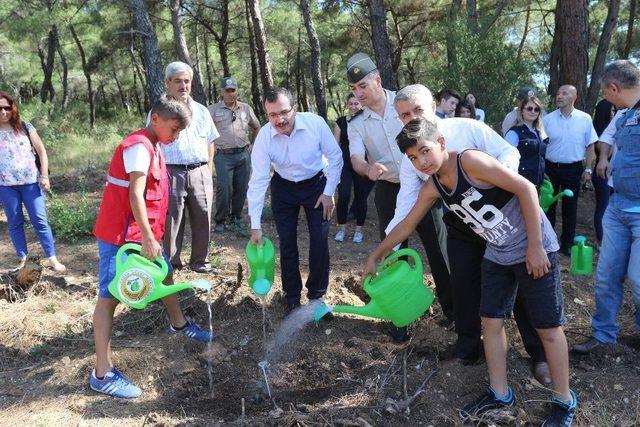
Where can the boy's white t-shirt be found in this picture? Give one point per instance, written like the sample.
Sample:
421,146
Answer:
136,158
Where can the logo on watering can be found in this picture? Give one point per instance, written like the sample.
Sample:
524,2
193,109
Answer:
135,285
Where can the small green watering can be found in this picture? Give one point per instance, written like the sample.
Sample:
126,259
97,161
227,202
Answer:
262,262
581,257
397,292
138,281
546,195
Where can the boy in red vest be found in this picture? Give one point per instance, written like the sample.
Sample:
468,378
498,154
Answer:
133,209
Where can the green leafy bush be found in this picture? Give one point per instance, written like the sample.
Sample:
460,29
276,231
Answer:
72,219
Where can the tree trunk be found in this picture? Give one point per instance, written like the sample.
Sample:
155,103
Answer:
632,16
46,90
123,97
180,43
382,44
261,45
207,68
571,39
316,72
472,16
196,64
601,55
452,60
525,32
65,73
255,88
87,75
299,68
138,72
151,55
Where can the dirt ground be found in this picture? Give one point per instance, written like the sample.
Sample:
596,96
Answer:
345,372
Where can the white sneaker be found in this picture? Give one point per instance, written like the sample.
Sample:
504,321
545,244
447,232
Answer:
339,236
53,262
21,263
357,237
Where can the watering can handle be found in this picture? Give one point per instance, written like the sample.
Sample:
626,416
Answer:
400,253
158,262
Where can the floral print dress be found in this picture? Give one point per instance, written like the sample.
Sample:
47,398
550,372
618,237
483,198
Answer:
17,162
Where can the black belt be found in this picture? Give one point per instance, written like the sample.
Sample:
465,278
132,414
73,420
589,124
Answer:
560,165
189,166
231,150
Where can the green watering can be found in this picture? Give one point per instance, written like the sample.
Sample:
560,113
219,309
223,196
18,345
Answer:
397,292
138,281
546,195
581,257
262,262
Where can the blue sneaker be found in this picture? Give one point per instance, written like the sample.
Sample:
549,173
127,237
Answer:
114,384
193,331
562,415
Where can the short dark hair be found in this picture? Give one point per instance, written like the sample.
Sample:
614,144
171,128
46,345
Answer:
170,109
447,93
623,73
417,129
274,93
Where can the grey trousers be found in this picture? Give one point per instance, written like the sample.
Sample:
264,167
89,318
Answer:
232,172
192,191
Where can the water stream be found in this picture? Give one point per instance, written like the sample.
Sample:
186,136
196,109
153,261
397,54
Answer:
209,345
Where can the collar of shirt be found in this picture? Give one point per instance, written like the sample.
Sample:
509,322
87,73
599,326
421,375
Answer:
388,108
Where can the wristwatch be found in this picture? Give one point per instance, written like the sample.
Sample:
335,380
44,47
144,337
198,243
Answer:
589,171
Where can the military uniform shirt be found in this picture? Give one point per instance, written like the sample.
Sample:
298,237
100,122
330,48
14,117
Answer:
233,133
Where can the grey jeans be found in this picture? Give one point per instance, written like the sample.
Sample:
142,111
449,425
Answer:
232,170
192,191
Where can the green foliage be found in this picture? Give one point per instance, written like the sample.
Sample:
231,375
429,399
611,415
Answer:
487,66
72,219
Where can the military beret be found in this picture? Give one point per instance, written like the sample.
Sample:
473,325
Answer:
358,66
524,93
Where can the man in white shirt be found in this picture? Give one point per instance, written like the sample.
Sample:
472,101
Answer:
190,163
570,132
375,154
465,249
296,144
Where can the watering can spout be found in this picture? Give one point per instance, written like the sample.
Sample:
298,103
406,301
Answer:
370,310
167,290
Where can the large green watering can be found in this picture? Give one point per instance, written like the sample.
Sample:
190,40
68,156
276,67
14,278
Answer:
138,281
262,262
397,292
581,257
546,195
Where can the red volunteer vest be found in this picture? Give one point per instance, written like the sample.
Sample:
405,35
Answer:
115,223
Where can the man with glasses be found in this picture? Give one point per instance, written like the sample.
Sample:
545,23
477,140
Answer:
233,120
298,146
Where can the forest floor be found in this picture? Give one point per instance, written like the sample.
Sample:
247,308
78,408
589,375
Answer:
345,372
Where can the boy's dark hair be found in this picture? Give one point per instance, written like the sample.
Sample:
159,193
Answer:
274,93
447,93
416,130
170,109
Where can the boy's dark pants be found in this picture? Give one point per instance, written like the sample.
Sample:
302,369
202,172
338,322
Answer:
466,251
287,197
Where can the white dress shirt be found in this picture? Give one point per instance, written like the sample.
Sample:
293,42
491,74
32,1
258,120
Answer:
296,158
375,136
192,144
569,136
608,137
459,134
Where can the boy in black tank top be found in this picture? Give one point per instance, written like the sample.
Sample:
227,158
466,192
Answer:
501,207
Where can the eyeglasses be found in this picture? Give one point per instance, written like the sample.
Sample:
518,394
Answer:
6,108
533,109
274,116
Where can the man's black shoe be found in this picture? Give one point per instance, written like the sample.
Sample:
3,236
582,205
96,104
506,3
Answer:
398,334
288,308
587,346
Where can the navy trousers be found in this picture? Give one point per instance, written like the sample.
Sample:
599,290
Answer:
287,197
